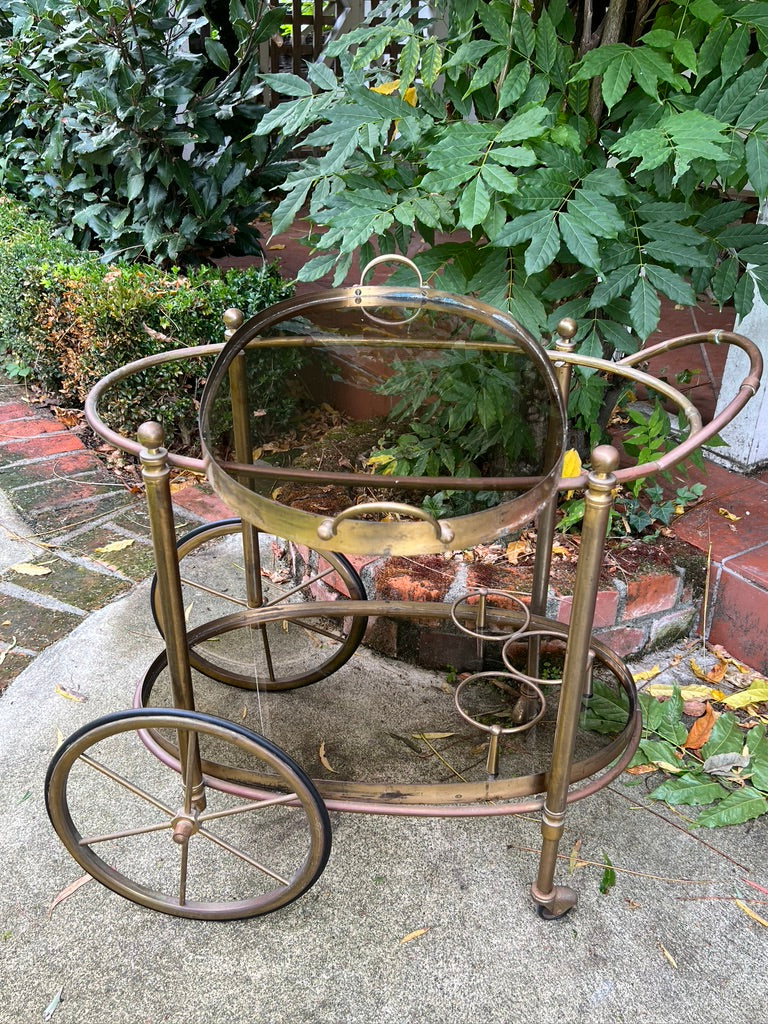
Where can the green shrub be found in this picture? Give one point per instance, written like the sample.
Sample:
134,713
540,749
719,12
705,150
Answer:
130,124
66,320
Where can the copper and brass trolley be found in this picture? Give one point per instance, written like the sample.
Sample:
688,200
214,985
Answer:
203,814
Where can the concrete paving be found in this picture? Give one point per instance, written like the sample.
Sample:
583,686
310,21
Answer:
665,944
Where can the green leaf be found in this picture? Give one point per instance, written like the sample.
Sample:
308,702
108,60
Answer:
616,78
618,282
581,245
530,124
757,164
734,52
671,284
740,806
317,267
431,62
689,789
523,227
725,738
513,86
523,31
661,753
744,294
322,76
644,308
608,879
217,53
474,204
288,85
546,41
499,179
596,214
408,62
544,246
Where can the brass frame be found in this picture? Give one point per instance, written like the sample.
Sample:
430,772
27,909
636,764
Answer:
234,482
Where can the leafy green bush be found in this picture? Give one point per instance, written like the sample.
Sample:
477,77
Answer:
130,124
67,320
577,167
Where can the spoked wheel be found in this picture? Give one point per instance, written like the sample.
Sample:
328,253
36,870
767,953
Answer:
226,567
170,840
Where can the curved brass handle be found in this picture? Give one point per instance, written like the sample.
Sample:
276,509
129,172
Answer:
327,529
391,258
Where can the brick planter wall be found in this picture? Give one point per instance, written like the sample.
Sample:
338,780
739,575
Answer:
651,610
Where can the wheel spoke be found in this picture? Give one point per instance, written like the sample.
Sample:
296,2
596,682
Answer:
224,845
91,840
213,593
183,874
255,805
284,594
126,784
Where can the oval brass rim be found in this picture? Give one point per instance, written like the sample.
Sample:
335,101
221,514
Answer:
351,795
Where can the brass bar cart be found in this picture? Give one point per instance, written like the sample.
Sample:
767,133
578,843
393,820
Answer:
202,817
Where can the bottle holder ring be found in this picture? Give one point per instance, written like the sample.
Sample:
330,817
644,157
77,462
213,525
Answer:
525,635
482,594
528,690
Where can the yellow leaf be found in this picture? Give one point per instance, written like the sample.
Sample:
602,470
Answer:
75,695
558,549
667,955
324,760
30,569
693,691
386,88
432,735
515,549
116,545
750,913
728,515
413,935
571,467
651,673
697,670
757,693
409,96
272,247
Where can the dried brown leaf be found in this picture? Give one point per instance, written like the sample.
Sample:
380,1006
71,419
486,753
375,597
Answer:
413,935
642,769
717,673
324,760
67,891
699,732
432,735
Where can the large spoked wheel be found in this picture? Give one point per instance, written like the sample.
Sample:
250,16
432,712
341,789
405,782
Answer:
170,840
226,567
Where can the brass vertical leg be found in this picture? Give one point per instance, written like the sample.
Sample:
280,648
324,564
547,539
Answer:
554,901
545,523
156,475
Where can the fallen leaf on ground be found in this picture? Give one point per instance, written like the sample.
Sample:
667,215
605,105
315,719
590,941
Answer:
691,692
116,545
608,880
728,515
67,891
51,1008
757,693
668,956
413,935
695,708
515,549
30,569
324,760
651,673
750,913
432,735
573,858
7,650
75,695
699,732
642,769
